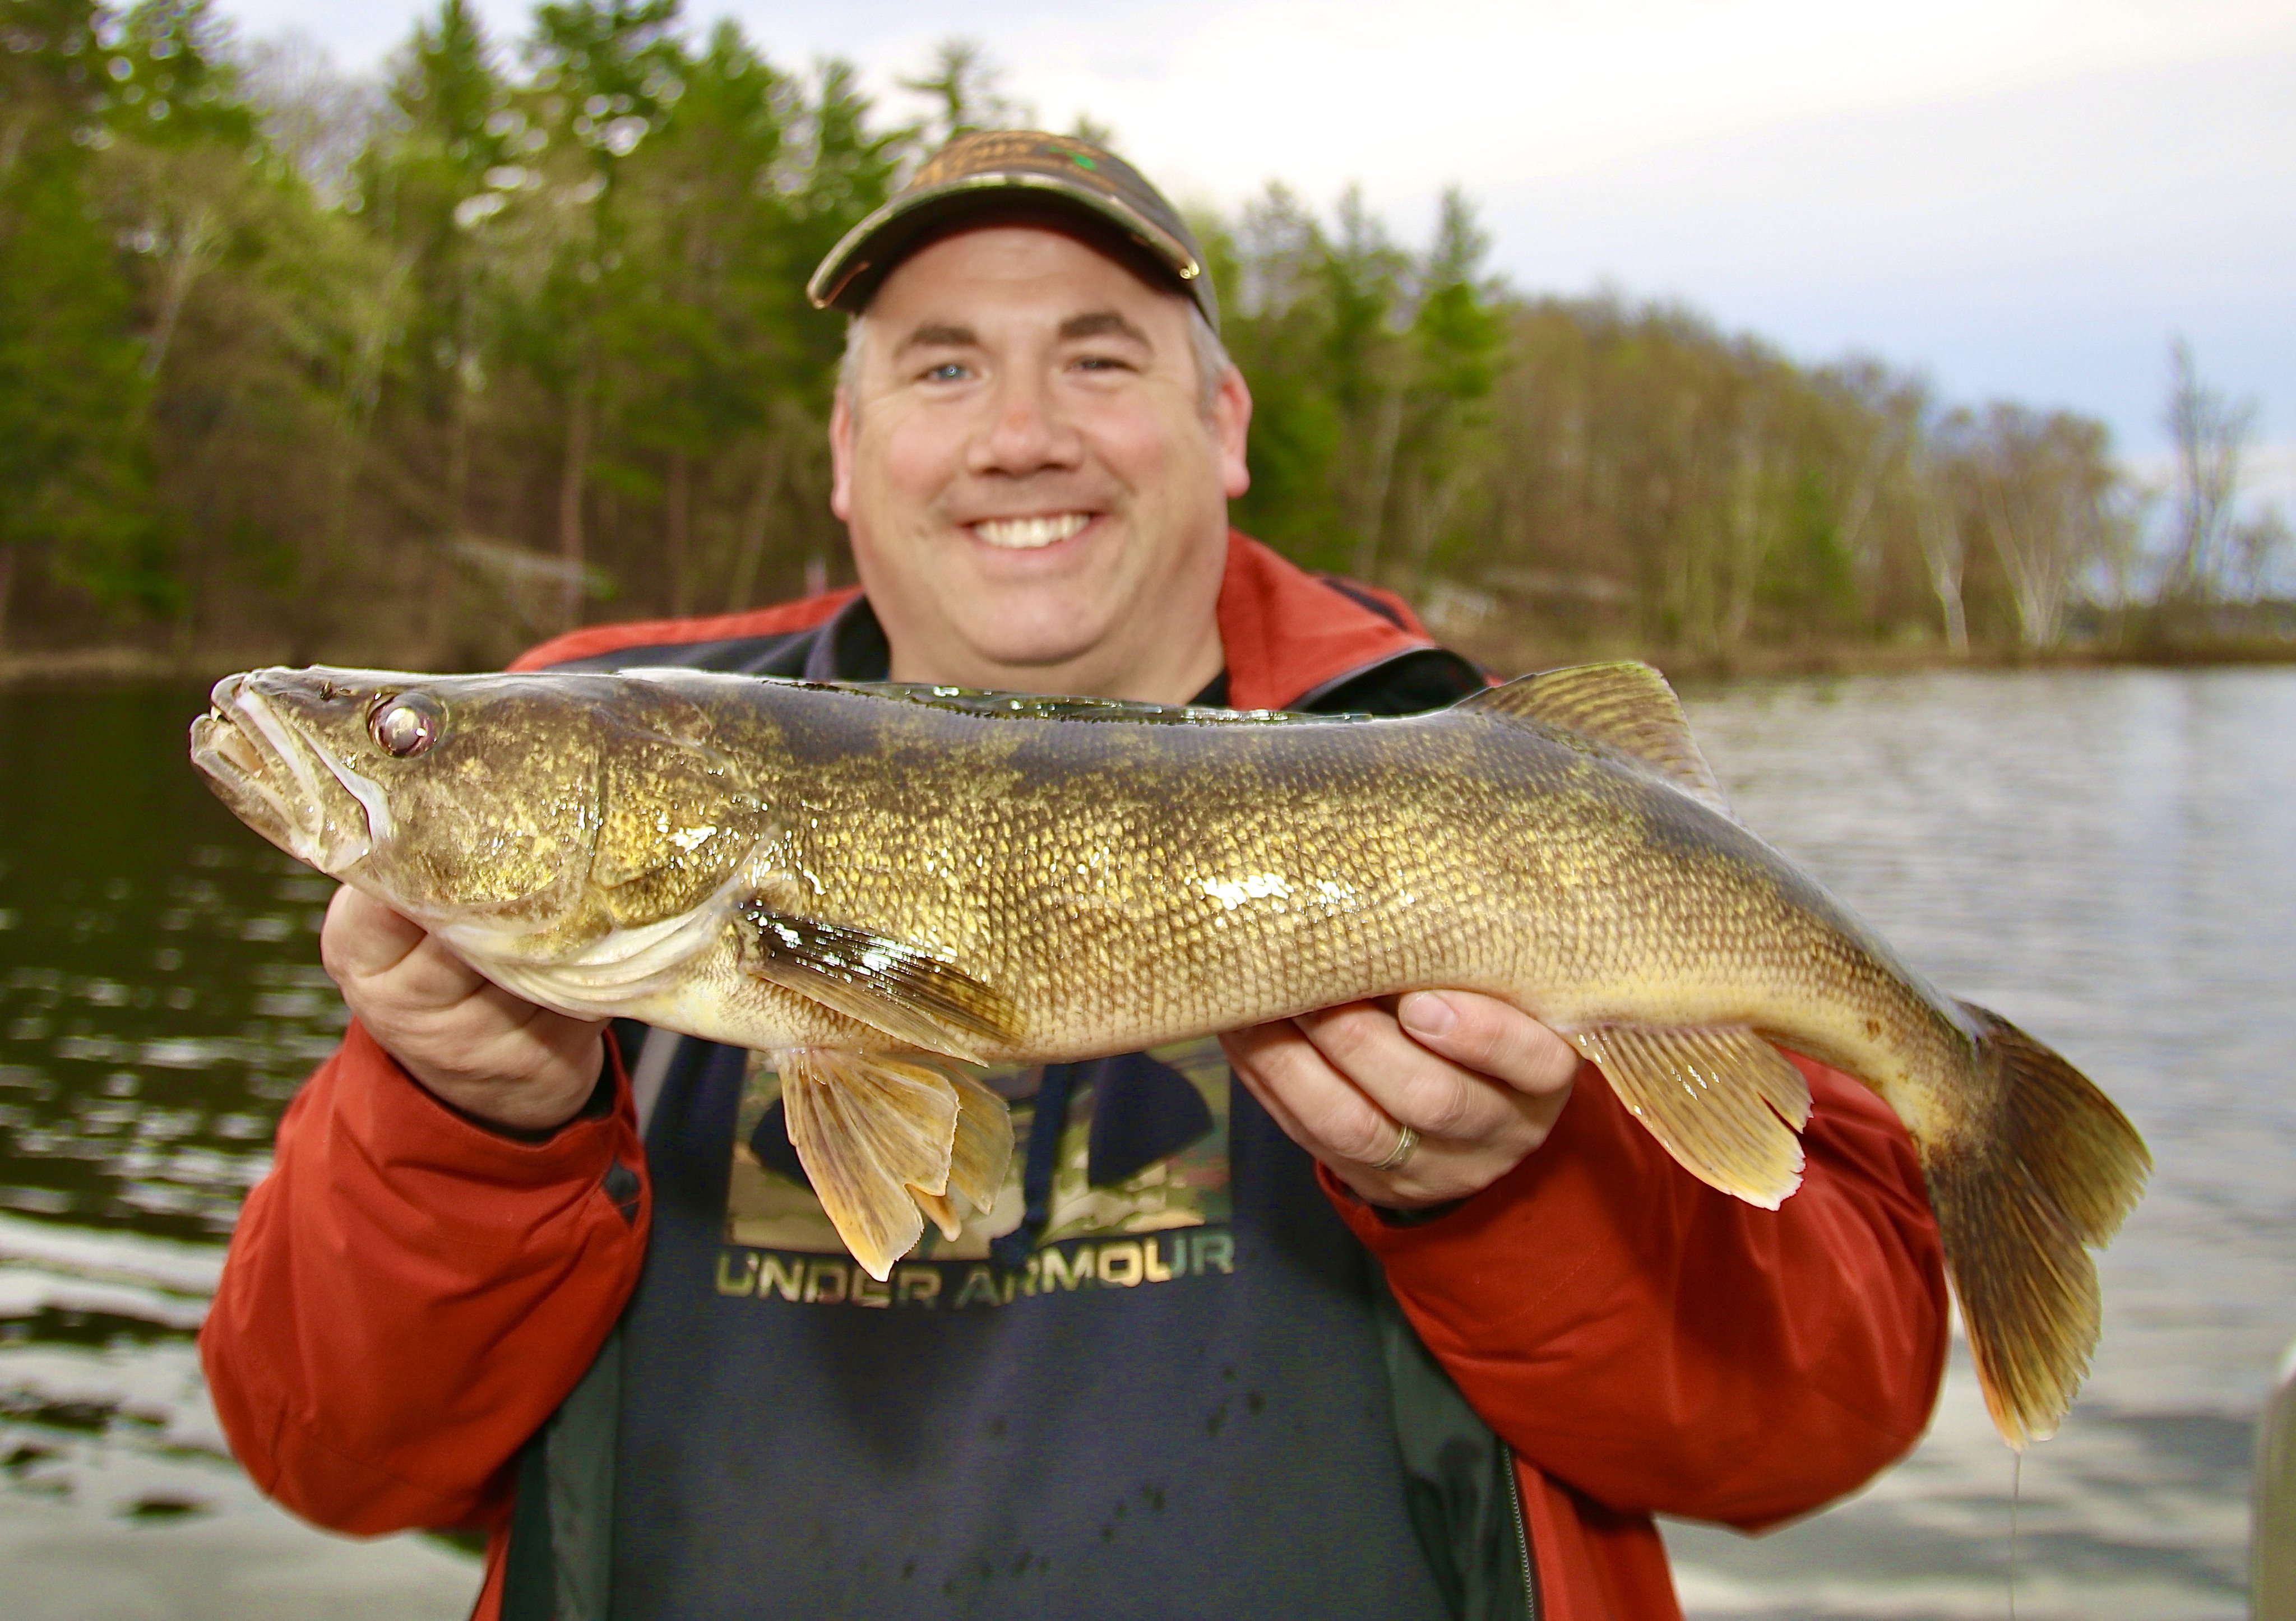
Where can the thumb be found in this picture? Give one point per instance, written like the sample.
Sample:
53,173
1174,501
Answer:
362,937
1491,1037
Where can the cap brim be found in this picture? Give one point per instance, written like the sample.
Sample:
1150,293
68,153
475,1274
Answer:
848,277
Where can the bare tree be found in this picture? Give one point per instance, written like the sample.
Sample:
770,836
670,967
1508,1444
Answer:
2042,484
2210,434
1945,549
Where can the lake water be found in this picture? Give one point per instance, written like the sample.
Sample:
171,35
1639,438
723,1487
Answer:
2109,859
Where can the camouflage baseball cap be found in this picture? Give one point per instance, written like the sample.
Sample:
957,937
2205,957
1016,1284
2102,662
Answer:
1002,169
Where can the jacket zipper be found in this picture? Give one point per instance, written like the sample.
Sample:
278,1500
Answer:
1522,1534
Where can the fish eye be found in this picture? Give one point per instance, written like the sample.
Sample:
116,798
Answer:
406,723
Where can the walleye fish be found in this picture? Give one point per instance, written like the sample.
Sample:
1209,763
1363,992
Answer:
866,882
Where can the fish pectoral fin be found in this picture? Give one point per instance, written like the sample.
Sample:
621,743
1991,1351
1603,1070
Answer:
875,1135
1725,1102
909,994
1625,704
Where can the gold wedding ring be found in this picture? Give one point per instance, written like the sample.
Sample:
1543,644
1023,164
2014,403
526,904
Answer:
1406,1141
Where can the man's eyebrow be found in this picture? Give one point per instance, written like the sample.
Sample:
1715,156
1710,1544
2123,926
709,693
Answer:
1099,324
936,335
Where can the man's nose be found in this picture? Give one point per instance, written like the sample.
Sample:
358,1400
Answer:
1027,431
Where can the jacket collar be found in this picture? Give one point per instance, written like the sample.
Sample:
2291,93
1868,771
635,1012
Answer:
1288,635
1285,635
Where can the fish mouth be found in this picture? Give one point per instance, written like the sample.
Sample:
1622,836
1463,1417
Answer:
293,793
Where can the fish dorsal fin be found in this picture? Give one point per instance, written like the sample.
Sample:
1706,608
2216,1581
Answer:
1725,1102
910,995
991,705
1624,704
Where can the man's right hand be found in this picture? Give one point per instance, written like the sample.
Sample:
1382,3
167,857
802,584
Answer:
467,1039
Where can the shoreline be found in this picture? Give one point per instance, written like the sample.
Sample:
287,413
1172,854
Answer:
1867,658
129,666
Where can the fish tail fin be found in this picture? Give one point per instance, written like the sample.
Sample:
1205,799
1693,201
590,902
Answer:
2018,1208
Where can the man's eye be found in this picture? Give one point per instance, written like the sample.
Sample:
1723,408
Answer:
1102,362
948,371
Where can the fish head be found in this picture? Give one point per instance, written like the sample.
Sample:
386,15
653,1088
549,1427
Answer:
450,798
526,816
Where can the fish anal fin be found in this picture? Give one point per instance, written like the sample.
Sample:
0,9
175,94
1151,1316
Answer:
1625,704
1725,1102
912,996
2018,1206
869,1128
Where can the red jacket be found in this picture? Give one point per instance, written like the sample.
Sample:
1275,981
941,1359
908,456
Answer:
409,1296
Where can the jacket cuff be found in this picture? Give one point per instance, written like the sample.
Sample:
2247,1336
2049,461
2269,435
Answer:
1562,1242
597,1106
400,1121
1398,1237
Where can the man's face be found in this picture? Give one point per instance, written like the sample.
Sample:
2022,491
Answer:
1037,495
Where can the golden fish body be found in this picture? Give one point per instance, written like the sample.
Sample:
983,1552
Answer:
852,880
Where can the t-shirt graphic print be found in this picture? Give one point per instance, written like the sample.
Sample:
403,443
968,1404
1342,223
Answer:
1138,1195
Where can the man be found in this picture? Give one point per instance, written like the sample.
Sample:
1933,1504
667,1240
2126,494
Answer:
1166,1374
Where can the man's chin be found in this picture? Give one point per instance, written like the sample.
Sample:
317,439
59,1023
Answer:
1032,657
1046,607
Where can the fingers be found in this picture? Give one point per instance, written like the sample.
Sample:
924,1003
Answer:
390,970
1315,1106
1490,1037
466,1039
1344,1082
1367,1052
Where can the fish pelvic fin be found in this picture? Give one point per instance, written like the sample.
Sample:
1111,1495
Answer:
1725,1102
876,1135
1624,704
916,997
983,1147
942,1211
2018,1207
978,1157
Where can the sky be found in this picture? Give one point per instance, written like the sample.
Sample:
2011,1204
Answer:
2023,199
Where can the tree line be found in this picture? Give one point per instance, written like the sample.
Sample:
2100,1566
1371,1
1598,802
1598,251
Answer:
415,371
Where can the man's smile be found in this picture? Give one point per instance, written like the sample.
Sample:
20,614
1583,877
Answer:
1030,534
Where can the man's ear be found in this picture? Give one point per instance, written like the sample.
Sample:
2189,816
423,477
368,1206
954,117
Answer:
1230,426
841,455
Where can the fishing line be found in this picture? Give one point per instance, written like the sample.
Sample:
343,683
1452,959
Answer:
2016,1489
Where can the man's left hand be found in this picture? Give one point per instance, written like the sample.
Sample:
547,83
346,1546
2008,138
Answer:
1479,1081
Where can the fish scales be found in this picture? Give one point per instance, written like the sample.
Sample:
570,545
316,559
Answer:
1270,871
863,883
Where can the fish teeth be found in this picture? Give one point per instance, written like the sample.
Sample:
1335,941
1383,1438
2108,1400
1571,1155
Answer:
1030,534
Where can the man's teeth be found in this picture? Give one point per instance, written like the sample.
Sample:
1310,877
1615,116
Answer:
1028,534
